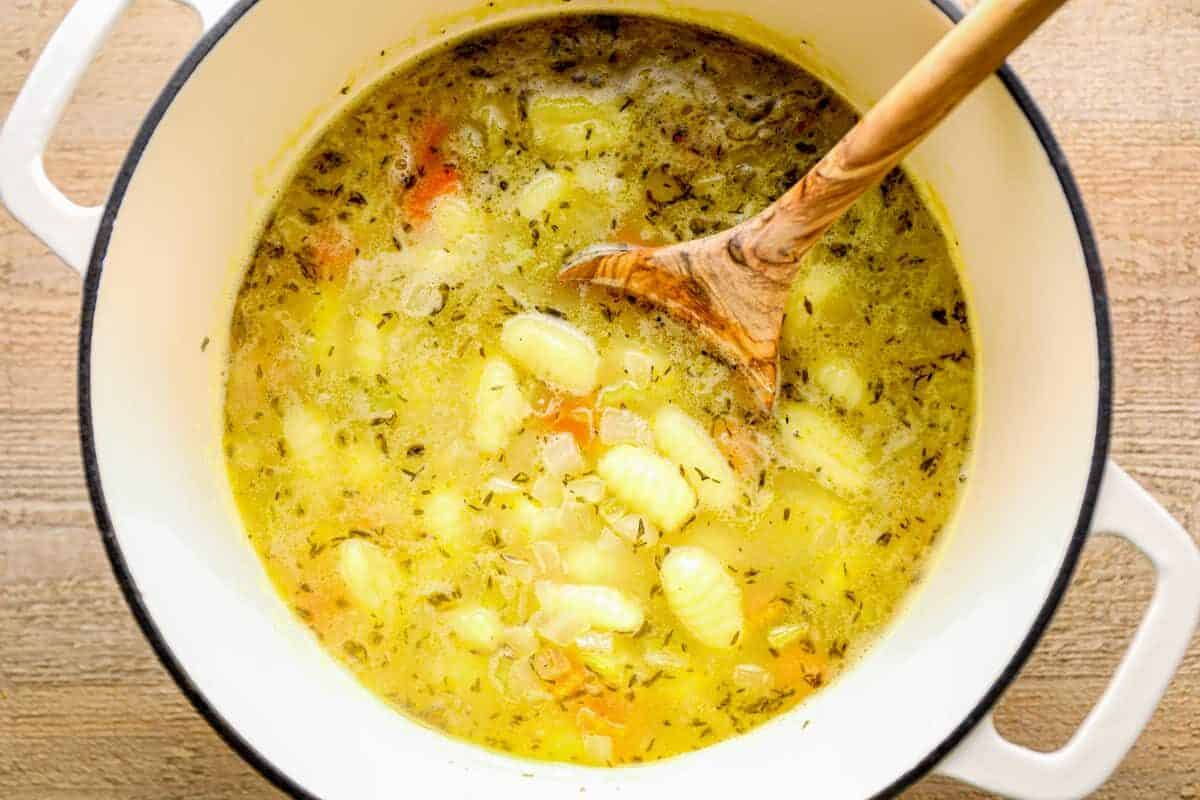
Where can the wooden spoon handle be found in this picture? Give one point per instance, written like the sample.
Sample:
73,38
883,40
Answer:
968,54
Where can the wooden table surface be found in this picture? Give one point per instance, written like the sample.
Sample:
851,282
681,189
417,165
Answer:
86,711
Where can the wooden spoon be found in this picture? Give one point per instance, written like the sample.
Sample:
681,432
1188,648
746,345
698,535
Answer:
732,285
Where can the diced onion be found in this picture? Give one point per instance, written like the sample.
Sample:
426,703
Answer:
589,489
547,490
547,558
751,676
633,528
595,642
522,640
435,588
781,636
560,626
560,454
507,585
665,659
519,568
621,426
496,485
598,748
638,366
524,684
423,295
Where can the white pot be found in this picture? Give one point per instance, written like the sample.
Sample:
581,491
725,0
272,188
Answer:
169,248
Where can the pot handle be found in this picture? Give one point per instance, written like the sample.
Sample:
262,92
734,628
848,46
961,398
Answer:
66,227
988,760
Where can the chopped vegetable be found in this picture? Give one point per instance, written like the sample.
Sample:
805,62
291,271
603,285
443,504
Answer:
544,517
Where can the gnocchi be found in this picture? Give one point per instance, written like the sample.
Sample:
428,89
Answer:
537,516
683,440
370,576
543,192
500,406
819,445
841,380
552,350
648,484
445,518
307,435
477,627
571,125
703,595
600,607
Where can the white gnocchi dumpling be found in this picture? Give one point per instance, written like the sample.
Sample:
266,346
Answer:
500,406
684,440
544,191
600,176
703,596
820,283
445,518
572,126
819,295
819,445
455,219
599,607
361,463
553,350
495,122
622,426
307,435
368,347
605,560
531,520
842,380
371,577
477,627
648,484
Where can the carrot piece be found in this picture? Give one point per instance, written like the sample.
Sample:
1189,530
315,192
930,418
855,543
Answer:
763,606
563,674
610,706
430,136
800,667
327,253
438,180
434,177
573,415
610,713
589,720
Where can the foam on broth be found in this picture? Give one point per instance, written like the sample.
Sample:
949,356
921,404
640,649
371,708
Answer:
540,517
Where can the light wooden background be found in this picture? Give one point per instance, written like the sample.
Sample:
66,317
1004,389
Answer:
87,712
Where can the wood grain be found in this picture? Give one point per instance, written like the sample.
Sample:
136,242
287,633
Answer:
87,712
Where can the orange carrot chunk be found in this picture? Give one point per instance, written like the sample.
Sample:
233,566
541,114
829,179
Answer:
327,253
573,415
433,176
800,667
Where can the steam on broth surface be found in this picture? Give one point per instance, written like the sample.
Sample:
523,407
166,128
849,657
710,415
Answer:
540,517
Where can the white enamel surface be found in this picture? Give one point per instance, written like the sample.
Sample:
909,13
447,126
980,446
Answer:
173,264
66,227
1105,736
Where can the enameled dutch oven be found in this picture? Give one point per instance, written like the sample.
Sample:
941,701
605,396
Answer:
162,261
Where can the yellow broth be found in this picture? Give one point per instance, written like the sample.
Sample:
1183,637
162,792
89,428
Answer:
540,517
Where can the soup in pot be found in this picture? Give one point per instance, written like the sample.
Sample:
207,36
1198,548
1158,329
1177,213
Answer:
542,517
